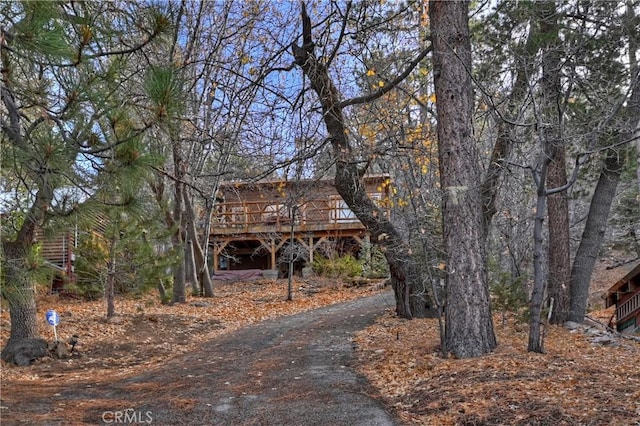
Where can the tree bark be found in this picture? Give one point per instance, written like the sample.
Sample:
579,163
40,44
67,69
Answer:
593,234
469,326
19,289
199,260
559,239
179,278
111,277
349,184
594,230
19,292
190,268
559,254
536,343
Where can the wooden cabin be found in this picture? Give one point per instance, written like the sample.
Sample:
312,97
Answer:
625,295
254,221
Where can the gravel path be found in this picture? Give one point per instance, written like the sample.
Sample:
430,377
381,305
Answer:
296,370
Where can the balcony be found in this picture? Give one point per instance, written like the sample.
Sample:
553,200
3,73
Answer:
258,217
628,308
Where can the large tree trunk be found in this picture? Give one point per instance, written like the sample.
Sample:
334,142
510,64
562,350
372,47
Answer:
348,181
594,230
559,239
469,326
593,234
24,343
19,292
559,254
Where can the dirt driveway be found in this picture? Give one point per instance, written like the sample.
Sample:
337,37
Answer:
294,370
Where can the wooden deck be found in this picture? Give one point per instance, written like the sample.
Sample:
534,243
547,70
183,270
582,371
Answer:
265,215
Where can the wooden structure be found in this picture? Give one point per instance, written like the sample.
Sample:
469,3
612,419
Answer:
58,252
254,221
59,249
625,295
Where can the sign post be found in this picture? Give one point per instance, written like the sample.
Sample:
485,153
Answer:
53,319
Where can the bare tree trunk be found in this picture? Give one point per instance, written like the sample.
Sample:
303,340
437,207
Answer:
469,326
190,269
200,262
19,288
111,277
550,173
179,294
292,241
536,343
349,184
594,230
178,237
593,234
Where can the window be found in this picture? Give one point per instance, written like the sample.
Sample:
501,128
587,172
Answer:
341,213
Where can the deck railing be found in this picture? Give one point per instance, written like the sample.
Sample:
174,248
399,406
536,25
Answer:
251,214
628,307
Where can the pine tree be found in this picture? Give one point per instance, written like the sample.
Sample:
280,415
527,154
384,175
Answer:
65,67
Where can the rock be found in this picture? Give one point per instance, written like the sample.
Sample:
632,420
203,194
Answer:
309,290
358,282
571,325
604,339
307,272
62,350
201,304
270,274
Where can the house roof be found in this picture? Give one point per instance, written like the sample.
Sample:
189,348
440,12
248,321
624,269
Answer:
622,281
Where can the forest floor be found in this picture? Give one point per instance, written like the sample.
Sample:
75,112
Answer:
576,382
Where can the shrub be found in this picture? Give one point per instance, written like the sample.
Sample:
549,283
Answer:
508,293
342,267
376,266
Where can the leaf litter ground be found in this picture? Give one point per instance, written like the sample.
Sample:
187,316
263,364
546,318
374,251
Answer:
576,382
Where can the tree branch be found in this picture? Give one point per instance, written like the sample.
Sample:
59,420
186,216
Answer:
391,85
341,36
